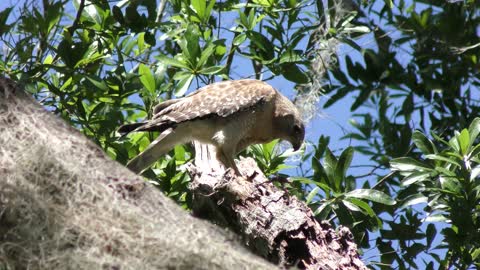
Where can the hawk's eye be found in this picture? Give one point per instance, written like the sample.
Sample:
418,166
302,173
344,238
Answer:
297,129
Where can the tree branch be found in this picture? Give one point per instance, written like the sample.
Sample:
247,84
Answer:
274,225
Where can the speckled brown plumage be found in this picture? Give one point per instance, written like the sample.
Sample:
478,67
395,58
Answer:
230,115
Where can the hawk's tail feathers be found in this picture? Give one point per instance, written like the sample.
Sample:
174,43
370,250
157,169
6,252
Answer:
161,145
127,128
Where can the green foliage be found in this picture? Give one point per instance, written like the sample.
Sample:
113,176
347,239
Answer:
447,180
268,157
416,71
333,193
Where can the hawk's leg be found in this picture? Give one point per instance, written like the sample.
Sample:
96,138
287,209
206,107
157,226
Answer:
228,161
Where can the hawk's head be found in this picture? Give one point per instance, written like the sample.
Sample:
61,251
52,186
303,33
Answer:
288,123
296,133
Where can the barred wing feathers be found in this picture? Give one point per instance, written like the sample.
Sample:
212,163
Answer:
219,99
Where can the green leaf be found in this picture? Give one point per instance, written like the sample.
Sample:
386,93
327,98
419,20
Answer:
388,3
290,57
344,161
243,19
150,39
251,19
362,97
238,40
48,60
206,53
474,129
407,164
346,20
475,172
352,206
451,185
172,62
415,177
192,49
454,143
475,151
4,14
323,211
179,153
92,11
312,195
330,165
208,10
413,200
211,70
263,47
307,181
342,166
464,141
445,172
200,7
442,158
430,233
97,82
118,15
475,254
365,208
423,143
357,29
183,84
436,218
146,77
372,195
438,138
293,73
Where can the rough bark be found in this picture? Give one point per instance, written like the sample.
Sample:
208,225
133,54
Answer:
65,205
274,224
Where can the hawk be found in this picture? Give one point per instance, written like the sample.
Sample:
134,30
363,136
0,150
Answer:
229,115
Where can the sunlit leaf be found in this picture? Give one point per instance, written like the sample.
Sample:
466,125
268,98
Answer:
363,206
464,141
423,143
172,62
311,195
408,164
415,177
371,195
211,70
183,85
344,162
146,77
443,158
413,200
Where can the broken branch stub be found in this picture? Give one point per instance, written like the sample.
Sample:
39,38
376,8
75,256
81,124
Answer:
274,225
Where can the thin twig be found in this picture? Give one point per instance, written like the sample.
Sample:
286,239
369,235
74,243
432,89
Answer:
74,26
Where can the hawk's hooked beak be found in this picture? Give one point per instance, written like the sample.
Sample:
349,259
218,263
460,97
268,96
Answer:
297,145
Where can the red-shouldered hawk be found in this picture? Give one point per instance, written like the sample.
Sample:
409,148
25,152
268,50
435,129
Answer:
230,115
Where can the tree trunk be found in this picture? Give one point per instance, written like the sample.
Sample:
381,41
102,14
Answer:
274,225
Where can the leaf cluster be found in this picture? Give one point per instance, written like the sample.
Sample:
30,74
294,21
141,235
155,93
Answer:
417,70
